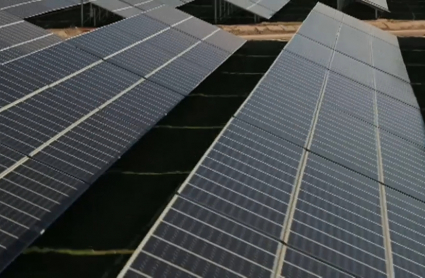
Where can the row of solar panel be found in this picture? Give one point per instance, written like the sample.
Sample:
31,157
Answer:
67,114
19,38
267,8
125,8
263,8
238,205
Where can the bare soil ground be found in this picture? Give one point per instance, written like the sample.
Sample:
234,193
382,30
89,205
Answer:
283,31
70,32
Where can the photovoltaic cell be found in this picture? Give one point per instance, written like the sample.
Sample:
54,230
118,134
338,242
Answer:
142,59
395,88
180,76
320,28
6,18
225,41
33,195
260,10
263,8
407,234
337,219
172,41
207,56
167,15
248,176
349,97
131,27
173,3
30,9
103,42
28,47
196,28
403,165
19,33
109,132
111,5
355,44
346,140
310,50
53,63
394,66
297,264
128,12
285,100
401,119
8,3
206,243
353,69
149,5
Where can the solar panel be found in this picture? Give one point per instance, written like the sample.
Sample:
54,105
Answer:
297,264
284,102
32,195
28,9
228,249
407,234
346,140
111,5
337,219
74,108
19,38
263,8
320,158
377,4
6,19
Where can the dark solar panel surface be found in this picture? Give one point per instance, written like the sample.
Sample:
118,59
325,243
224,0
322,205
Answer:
26,9
70,110
263,8
248,176
323,156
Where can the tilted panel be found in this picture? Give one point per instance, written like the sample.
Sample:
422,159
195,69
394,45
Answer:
349,97
103,42
297,264
338,220
346,140
248,175
310,50
401,119
193,241
285,100
53,63
406,222
403,165
32,196
89,148
28,47
320,28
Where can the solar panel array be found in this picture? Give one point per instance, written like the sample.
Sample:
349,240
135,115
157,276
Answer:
263,8
381,5
70,110
125,8
319,174
148,4
25,8
19,38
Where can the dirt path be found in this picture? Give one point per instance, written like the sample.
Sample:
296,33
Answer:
284,30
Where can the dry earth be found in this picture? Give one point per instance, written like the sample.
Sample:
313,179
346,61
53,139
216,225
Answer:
283,31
